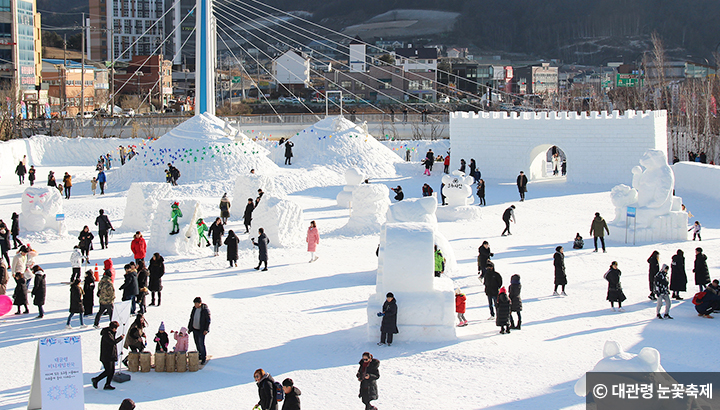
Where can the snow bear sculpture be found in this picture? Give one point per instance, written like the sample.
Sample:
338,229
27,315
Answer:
457,189
353,177
370,204
414,210
658,213
39,207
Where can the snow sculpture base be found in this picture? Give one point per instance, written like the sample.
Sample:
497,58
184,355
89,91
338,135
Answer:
370,204
353,178
658,213
458,213
38,209
281,219
183,243
142,201
426,304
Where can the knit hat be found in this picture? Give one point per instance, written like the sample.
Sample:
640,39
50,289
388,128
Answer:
502,290
162,327
664,268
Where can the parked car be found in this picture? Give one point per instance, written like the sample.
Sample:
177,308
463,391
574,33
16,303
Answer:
86,114
318,100
348,100
128,112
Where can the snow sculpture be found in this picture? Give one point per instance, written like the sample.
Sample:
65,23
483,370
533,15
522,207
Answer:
39,207
406,266
281,219
353,178
185,242
142,200
658,213
458,196
247,185
370,203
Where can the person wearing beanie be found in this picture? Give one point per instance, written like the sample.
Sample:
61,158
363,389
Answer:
292,395
161,339
503,311
127,404
38,291
106,294
662,291
389,320
367,375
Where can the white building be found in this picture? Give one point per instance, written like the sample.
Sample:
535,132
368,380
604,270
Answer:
357,56
126,28
292,68
416,59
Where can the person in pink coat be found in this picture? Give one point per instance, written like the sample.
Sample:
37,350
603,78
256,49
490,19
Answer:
181,340
138,247
313,239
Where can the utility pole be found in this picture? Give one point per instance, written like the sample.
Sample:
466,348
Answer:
82,78
64,78
112,72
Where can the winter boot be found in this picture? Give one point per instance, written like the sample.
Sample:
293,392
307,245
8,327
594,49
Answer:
507,331
659,316
159,298
666,316
518,326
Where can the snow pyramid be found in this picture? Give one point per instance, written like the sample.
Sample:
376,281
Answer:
339,144
39,207
183,243
142,201
203,148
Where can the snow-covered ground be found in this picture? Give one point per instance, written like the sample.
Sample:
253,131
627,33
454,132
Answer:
307,321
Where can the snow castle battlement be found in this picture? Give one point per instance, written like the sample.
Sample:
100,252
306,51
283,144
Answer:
601,147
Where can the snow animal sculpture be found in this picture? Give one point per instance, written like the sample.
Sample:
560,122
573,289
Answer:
643,368
414,210
353,177
658,212
39,207
457,189
370,204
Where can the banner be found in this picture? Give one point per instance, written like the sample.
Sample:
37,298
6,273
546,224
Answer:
58,377
121,314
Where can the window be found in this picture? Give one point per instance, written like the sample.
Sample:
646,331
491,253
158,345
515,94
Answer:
427,85
413,85
346,84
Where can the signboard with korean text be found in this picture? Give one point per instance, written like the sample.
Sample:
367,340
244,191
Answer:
58,376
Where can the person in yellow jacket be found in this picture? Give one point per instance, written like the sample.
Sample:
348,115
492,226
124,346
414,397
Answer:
67,184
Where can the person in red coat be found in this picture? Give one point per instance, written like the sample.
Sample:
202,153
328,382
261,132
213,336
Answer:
446,163
460,299
138,247
313,239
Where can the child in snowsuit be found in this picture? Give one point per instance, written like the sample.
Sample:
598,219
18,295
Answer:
161,339
141,299
460,299
181,340
503,312
696,230
515,300
93,185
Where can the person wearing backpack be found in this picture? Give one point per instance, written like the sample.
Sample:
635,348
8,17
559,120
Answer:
704,302
292,393
266,390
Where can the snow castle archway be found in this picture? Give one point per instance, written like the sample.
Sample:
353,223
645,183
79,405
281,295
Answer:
601,147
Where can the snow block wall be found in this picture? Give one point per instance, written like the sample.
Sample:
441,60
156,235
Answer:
183,243
600,147
426,304
141,202
281,219
697,178
370,203
38,209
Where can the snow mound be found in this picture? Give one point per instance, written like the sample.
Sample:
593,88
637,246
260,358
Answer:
338,144
370,204
281,219
142,201
39,207
203,148
183,243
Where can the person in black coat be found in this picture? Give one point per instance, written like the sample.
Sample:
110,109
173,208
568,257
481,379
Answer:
702,275
389,320
292,395
654,267
20,294
399,195
678,277
104,225
108,354
266,390
262,243
76,304
20,170
199,326
216,233
507,217
615,292
232,247
130,286
5,243
522,185
157,270
288,152
86,238
493,282
560,277
484,255
247,215
39,290
481,191
367,375
502,319
89,293
515,300
15,230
